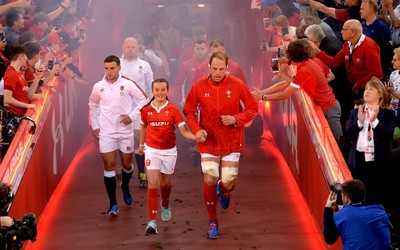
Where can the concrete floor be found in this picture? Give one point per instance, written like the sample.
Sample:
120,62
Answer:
266,212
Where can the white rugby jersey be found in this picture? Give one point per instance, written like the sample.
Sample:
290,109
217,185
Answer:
108,101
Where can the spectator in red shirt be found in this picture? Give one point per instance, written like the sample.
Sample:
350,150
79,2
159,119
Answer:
40,25
311,79
32,50
17,94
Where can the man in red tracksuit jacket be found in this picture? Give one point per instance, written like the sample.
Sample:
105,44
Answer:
213,109
360,56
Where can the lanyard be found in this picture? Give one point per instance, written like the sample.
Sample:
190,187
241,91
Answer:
369,123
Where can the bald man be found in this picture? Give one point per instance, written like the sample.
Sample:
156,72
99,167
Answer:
140,72
359,54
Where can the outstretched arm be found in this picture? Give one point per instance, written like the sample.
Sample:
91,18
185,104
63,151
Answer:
322,8
283,94
257,93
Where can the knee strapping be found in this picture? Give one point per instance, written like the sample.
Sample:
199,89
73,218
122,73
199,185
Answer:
229,174
210,167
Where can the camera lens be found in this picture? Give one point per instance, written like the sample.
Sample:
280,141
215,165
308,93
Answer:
336,187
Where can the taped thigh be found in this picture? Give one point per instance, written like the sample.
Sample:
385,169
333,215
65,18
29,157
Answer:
210,167
228,174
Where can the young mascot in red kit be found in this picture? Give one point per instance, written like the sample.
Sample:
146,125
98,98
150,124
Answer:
158,121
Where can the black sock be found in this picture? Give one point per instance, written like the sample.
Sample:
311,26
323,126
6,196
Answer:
126,177
140,163
111,185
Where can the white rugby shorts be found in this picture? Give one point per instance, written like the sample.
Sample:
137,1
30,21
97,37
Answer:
163,160
109,143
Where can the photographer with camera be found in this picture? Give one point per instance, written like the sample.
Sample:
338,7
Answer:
361,225
14,232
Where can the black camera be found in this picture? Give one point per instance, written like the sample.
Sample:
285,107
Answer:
2,36
13,237
10,124
336,187
50,66
12,127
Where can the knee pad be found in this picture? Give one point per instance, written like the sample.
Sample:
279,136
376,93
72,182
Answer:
211,168
229,174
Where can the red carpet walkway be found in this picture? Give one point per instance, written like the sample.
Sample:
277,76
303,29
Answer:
266,212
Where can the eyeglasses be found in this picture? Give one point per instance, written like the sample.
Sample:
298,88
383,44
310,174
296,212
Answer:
346,29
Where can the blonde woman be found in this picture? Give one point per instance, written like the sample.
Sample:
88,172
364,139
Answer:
370,130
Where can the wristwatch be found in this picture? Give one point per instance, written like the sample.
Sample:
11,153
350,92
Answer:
264,97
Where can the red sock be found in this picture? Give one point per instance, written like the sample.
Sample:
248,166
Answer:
210,199
165,193
152,203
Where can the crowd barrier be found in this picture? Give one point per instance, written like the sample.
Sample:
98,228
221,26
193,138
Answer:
37,158
309,148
